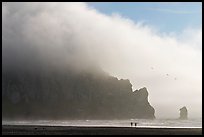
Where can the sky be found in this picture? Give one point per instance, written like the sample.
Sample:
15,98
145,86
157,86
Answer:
154,45
168,17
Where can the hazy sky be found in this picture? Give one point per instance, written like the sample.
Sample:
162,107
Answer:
156,45
170,17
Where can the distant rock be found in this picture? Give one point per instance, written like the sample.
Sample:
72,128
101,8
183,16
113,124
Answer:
183,113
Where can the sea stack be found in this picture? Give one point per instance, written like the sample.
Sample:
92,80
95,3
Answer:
183,113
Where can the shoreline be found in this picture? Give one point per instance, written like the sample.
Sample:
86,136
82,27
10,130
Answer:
94,130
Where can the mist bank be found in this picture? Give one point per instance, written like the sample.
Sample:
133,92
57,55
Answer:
57,39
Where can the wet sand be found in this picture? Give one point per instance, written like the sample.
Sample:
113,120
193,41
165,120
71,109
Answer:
77,130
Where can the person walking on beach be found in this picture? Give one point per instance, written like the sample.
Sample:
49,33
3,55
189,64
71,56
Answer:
135,124
131,124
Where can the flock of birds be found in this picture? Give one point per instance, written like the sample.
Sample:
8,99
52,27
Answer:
175,78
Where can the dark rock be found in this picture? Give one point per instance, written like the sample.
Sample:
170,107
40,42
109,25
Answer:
68,95
183,113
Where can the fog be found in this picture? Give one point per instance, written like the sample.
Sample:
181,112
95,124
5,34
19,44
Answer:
64,34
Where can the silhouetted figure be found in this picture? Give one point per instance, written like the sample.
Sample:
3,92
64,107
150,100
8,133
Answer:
131,124
135,124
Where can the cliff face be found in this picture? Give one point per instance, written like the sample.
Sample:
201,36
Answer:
69,95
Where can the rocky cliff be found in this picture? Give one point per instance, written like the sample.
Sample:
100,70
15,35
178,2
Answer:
69,95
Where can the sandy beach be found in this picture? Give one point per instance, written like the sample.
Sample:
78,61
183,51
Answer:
77,130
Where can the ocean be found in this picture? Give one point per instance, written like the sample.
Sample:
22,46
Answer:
156,123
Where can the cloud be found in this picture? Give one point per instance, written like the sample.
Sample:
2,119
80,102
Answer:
175,11
63,33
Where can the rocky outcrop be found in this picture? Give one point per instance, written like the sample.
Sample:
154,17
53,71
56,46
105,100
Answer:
70,95
183,113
